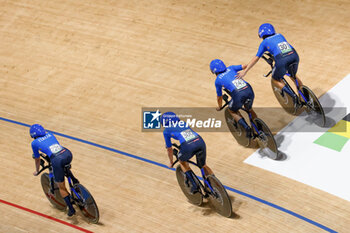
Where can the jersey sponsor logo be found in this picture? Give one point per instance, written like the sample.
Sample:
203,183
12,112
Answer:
151,119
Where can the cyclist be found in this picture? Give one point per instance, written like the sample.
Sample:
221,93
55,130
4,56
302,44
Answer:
59,156
239,89
190,144
284,55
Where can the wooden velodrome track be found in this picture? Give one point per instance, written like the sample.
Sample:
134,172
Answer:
85,69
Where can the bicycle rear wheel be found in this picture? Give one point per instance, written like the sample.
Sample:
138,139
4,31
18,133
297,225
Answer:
313,105
219,199
266,140
286,101
86,203
55,199
197,198
237,130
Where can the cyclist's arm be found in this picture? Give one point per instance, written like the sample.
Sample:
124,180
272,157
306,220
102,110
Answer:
242,73
218,87
37,166
168,146
170,155
219,99
252,63
36,157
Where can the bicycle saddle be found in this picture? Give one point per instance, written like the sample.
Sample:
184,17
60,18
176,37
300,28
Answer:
67,167
247,104
291,68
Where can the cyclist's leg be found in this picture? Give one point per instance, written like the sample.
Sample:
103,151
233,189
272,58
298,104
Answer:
277,81
186,153
280,69
58,163
251,96
235,114
234,105
254,115
185,167
295,59
202,156
189,178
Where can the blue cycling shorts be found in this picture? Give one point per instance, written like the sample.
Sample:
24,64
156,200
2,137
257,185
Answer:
238,98
190,148
282,63
58,161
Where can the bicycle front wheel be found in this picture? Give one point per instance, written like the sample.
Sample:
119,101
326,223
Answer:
86,203
266,140
313,105
55,198
197,198
219,198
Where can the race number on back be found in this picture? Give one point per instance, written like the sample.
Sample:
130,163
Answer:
239,83
55,148
284,47
188,135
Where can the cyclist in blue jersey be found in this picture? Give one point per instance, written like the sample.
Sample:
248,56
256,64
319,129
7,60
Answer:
190,144
239,89
284,55
59,156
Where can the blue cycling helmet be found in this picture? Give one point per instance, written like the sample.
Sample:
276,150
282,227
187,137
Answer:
168,117
37,130
266,29
217,66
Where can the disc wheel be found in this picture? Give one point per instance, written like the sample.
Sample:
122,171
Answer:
55,198
313,106
237,130
197,198
266,140
86,203
219,198
286,101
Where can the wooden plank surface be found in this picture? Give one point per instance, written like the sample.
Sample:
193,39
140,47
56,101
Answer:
86,68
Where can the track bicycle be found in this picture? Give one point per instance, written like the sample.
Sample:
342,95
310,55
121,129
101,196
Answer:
306,98
210,188
80,196
260,131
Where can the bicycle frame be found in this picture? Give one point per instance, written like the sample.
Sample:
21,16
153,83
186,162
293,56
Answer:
270,61
244,109
42,163
195,164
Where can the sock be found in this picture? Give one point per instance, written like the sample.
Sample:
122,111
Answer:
245,126
67,201
287,90
189,176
